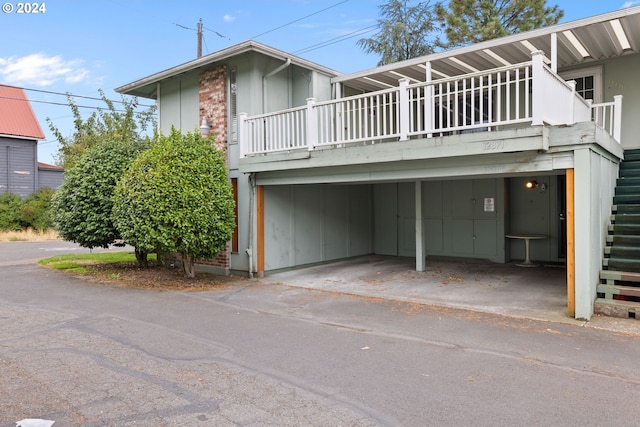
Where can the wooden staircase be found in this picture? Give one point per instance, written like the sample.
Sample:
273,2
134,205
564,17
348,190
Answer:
619,289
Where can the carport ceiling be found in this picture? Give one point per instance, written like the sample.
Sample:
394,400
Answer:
600,37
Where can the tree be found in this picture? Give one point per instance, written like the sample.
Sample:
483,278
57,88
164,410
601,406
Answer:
466,22
83,203
405,32
176,197
124,123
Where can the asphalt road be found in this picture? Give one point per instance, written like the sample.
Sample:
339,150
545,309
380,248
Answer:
252,354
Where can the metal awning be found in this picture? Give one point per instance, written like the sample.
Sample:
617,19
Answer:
582,41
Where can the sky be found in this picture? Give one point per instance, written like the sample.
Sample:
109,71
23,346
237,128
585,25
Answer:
82,46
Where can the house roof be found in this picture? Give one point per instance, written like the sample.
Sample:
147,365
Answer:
16,116
46,166
596,34
146,87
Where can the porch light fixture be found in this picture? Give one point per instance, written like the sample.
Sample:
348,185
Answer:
620,35
576,43
204,127
531,184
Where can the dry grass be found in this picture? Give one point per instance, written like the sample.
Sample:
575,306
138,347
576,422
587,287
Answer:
28,235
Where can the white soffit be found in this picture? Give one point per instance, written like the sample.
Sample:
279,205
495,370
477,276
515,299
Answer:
598,37
576,43
620,34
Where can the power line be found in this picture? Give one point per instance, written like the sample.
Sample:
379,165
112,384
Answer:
67,94
58,103
299,19
337,39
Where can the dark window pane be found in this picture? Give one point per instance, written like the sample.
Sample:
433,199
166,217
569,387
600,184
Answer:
588,94
588,82
579,84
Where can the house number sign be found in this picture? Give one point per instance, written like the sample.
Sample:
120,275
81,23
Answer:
489,204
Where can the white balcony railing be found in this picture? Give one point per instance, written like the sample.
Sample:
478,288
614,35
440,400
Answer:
529,92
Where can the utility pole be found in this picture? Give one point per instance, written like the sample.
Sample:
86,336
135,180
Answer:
200,38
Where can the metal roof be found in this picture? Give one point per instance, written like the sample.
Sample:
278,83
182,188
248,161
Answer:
16,115
146,87
597,35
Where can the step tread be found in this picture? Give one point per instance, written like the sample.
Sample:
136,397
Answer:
631,291
621,303
623,276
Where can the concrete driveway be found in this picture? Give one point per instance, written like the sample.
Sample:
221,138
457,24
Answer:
538,293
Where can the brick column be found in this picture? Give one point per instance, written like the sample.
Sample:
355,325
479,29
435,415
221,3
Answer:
213,107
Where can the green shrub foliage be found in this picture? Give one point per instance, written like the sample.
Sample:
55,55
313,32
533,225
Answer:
176,197
36,210
83,203
10,212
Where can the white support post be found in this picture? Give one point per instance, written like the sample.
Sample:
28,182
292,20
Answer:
554,52
617,118
538,91
312,124
338,121
572,110
243,135
403,109
429,101
420,244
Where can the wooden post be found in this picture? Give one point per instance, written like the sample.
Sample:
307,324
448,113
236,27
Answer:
260,230
571,250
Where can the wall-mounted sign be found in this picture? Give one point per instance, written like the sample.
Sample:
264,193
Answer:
489,204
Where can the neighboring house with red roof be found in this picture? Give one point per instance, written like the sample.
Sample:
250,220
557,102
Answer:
20,171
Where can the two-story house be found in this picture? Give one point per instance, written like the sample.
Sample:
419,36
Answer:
20,171
454,154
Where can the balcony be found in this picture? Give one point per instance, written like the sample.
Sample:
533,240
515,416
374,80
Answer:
522,95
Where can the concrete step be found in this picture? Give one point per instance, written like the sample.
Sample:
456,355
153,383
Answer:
617,308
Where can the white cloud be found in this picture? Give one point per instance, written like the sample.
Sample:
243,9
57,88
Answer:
630,3
38,69
228,18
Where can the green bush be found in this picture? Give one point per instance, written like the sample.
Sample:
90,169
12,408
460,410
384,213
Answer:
176,197
83,203
10,205
36,210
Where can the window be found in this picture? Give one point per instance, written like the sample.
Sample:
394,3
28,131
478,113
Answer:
588,82
233,104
